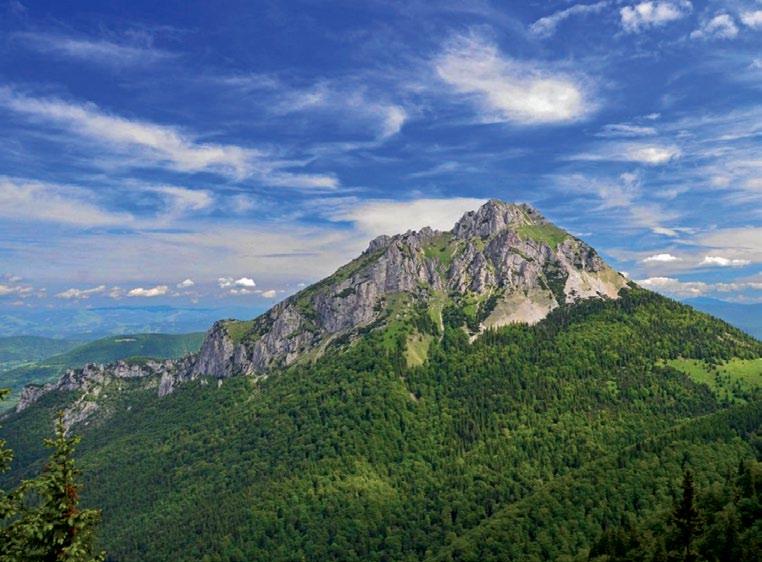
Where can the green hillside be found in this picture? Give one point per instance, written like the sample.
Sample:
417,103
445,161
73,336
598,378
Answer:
526,444
18,350
106,350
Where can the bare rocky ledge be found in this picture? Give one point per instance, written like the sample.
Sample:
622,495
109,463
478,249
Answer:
505,251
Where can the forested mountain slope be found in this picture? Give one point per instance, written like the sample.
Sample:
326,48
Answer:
46,366
23,349
524,444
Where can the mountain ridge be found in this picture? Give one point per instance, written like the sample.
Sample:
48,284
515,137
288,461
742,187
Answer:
500,264
358,456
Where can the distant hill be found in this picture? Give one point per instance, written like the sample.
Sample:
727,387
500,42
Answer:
491,393
748,317
31,348
84,323
106,350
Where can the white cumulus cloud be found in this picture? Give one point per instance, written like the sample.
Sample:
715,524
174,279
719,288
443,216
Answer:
661,258
673,286
242,285
269,294
721,26
643,15
157,291
653,155
81,294
16,290
185,284
510,90
724,262
752,19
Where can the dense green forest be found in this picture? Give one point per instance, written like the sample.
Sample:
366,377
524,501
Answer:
23,349
531,443
721,521
41,367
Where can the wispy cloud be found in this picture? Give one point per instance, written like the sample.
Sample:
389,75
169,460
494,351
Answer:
724,262
675,287
545,27
181,200
161,144
738,245
81,294
644,15
25,200
98,51
391,217
649,154
510,90
621,199
626,130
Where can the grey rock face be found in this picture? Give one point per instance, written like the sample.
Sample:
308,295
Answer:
492,217
508,253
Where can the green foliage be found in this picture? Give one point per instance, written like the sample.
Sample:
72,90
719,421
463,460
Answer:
524,445
113,348
40,521
442,248
6,456
25,349
105,350
722,521
546,233
733,381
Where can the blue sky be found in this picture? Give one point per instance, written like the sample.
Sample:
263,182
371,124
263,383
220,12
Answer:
230,152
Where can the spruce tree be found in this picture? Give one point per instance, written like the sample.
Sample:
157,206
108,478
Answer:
686,519
7,501
47,524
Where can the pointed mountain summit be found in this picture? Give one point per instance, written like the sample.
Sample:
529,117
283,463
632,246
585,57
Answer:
369,428
501,264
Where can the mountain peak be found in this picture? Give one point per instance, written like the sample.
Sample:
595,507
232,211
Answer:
500,264
494,216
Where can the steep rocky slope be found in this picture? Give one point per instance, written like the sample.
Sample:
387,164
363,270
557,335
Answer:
501,264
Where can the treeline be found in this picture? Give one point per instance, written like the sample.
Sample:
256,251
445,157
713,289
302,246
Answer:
523,445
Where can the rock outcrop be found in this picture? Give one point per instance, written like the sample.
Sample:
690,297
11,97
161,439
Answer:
507,261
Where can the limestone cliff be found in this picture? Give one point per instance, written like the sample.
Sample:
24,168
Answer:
500,264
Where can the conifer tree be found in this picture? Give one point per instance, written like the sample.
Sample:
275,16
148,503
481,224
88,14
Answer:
7,504
43,521
686,519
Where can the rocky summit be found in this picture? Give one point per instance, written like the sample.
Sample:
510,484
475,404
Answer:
503,263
